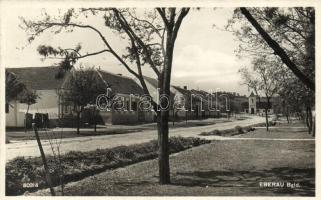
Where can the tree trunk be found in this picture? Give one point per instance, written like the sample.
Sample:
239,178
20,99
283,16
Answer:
266,113
186,117
95,120
287,114
309,119
313,127
26,118
163,155
173,117
164,84
78,122
266,120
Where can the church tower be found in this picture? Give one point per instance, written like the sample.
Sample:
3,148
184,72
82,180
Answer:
252,103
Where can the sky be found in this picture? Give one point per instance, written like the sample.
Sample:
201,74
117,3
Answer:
204,56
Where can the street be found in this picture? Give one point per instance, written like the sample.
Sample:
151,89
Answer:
29,147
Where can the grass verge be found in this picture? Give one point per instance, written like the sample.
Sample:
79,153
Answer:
78,165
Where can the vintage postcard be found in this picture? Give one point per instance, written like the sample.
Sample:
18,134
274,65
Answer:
160,99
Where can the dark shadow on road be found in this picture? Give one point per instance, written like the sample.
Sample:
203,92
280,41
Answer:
252,179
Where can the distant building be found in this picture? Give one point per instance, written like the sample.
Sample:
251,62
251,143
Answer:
196,102
257,105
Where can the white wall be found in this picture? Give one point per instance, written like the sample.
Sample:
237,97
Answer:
46,103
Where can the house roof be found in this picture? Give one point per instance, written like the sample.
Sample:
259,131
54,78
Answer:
121,84
38,78
182,90
154,82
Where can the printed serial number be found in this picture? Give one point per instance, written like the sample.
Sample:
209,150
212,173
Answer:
30,185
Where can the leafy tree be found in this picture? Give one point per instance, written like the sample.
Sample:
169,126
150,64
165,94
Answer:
289,33
82,88
296,97
150,35
13,88
28,97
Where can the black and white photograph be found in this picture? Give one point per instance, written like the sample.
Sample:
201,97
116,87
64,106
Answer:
159,99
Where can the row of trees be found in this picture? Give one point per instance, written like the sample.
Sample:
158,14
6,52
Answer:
282,66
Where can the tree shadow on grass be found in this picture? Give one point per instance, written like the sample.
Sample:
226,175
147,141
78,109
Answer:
252,179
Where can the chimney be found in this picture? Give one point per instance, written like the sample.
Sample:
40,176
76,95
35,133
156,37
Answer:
185,87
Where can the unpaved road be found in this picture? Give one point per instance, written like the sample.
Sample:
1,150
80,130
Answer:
29,147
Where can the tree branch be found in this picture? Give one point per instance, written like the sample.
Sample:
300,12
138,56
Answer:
278,50
110,49
131,33
163,16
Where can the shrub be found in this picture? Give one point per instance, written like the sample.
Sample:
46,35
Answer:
217,132
78,165
239,129
249,129
272,123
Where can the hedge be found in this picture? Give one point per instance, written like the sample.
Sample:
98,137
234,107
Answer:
77,165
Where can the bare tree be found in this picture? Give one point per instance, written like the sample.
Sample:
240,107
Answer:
263,78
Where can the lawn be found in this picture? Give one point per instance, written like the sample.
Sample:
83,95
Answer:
221,168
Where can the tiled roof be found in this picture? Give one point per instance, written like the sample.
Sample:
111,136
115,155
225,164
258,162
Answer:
38,78
182,90
152,81
121,84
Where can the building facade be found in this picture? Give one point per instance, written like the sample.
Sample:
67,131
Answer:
60,111
42,80
257,105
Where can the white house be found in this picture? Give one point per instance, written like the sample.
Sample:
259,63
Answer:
42,80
